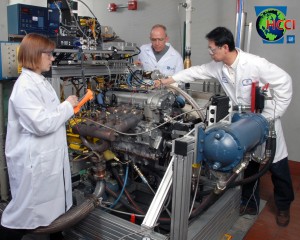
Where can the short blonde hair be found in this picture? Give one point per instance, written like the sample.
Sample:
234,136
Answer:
31,49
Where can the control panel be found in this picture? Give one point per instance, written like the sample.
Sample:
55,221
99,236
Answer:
23,19
8,60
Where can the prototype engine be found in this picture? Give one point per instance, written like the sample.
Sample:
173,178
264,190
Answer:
134,124
132,127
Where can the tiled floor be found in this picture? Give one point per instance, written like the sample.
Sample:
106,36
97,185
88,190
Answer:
265,226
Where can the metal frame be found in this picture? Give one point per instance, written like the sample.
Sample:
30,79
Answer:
181,187
90,68
159,198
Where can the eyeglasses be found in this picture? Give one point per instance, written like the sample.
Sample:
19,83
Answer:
157,39
49,53
212,51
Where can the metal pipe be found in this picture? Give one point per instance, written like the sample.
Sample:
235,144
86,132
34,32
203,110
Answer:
249,37
188,20
188,23
241,17
92,130
190,100
242,30
76,214
95,146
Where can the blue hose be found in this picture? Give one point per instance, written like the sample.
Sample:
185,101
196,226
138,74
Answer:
122,191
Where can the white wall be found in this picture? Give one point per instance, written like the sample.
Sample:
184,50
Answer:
3,21
40,3
134,26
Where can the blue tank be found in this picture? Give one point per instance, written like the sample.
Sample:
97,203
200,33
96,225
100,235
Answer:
225,145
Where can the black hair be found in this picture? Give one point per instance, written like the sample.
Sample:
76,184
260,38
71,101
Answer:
221,36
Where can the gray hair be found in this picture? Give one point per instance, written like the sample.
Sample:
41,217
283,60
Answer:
159,26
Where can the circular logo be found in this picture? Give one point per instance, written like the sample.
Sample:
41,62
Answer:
267,24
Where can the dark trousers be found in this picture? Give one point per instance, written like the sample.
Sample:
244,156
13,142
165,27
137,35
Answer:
9,234
18,234
282,182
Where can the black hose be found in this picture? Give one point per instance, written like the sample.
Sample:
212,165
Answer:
205,204
213,196
270,144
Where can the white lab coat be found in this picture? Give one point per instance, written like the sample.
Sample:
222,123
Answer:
36,154
170,63
250,68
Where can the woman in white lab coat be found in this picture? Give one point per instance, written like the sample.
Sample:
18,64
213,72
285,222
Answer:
159,54
36,148
236,71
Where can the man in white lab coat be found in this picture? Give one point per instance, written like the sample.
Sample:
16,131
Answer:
159,54
236,71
